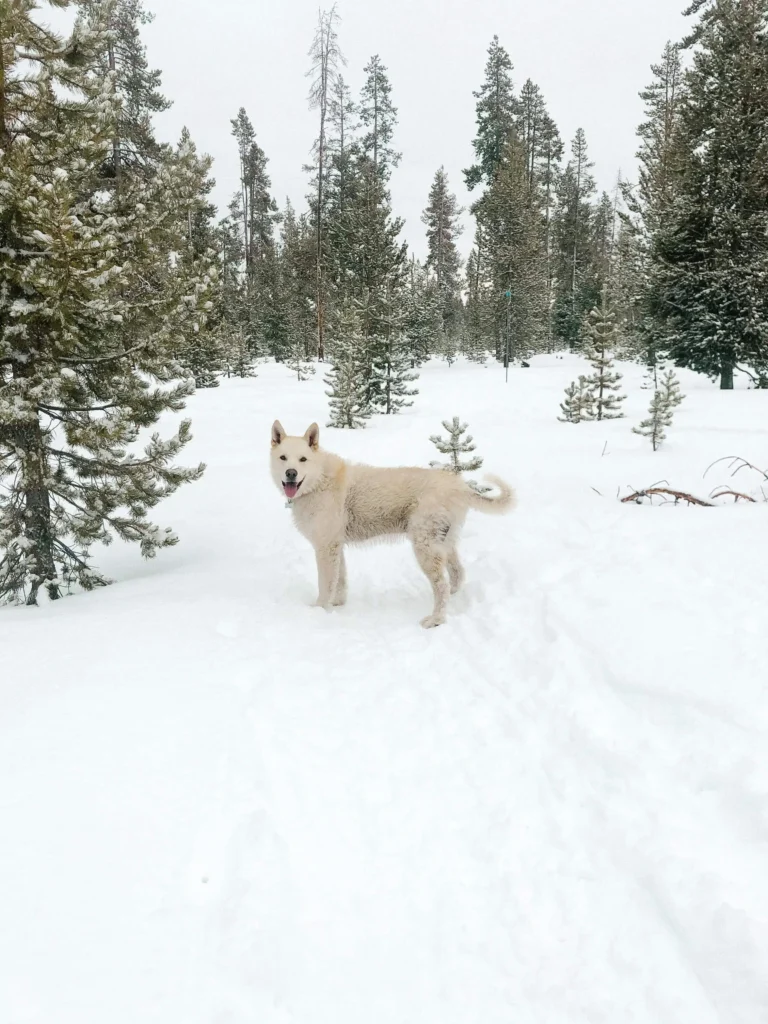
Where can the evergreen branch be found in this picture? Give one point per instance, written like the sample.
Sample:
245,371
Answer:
90,361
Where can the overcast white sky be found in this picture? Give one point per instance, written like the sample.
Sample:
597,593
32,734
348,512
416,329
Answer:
590,58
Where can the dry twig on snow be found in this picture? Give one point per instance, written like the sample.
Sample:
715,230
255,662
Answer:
736,464
727,492
668,493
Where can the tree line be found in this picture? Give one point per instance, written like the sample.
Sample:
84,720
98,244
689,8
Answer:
121,289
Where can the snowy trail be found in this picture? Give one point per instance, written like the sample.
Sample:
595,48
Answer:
553,810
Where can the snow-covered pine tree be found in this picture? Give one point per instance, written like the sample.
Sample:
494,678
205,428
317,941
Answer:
648,202
302,367
122,55
456,446
605,382
709,260
442,220
202,352
511,219
579,402
73,258
670,388
423,318
238,358
659,418
298,289
572,240
391,369
447,348
496,110
378,116
347,378
255,212
478,318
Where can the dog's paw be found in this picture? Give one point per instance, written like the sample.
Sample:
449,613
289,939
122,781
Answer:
322,604
432,620
339,602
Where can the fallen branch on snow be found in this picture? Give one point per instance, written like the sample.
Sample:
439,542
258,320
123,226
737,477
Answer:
737,495
668,493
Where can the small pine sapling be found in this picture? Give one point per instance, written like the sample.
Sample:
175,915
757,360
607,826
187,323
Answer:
659,417
605,382
238,356
454,446
670,388
298,362
579,402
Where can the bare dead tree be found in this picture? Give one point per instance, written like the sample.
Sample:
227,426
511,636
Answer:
327,60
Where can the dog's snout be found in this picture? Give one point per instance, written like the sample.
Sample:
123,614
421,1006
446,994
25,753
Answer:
291,474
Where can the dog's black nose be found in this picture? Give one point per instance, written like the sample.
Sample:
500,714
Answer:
291,474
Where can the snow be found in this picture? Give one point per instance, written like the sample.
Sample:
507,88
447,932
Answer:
222,806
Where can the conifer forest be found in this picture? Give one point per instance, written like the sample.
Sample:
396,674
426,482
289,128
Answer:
221,805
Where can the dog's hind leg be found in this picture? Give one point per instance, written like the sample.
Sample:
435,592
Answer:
455,570
432,562
340,596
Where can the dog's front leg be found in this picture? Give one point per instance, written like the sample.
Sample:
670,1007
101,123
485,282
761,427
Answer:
328,566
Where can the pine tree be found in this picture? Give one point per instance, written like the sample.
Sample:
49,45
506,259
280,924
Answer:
379,116
480,314
122,56
441,218
447,348
579,402
347,377
649,201
391,372
73,259
659,418
455,446
510,217
297,335
423,314
254,208
297,360
575,292
670,388
604,381
496,112
238,358
341,192
543,147
709,260
202,353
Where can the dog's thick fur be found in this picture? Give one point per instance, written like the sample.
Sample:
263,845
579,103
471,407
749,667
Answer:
336,503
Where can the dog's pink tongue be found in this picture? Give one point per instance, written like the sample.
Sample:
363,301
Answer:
290,490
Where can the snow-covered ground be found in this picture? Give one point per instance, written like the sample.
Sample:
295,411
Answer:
219,805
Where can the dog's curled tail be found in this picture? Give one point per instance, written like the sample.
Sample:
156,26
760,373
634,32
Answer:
496,504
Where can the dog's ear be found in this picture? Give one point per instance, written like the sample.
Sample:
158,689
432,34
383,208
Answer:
312,436
278,434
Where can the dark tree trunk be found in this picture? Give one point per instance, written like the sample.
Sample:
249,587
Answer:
38,528
726,377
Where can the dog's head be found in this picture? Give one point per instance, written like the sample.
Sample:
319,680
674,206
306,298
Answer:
296,464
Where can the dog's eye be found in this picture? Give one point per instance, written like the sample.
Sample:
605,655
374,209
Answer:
283,458
302,459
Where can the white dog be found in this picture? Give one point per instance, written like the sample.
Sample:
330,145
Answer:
336,503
